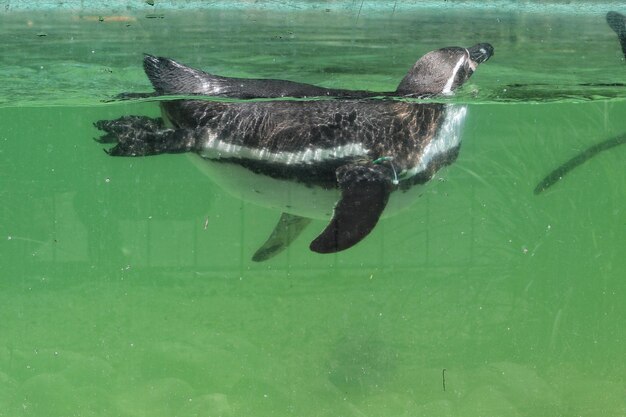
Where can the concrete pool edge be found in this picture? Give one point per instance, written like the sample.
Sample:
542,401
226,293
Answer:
550,6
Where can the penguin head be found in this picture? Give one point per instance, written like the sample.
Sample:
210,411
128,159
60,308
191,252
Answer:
440,72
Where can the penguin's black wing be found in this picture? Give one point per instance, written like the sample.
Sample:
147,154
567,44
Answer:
365,190
617,22
286,231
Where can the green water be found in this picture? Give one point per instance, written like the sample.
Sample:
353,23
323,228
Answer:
126,286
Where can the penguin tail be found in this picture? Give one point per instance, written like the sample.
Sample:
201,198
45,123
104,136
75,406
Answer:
170,77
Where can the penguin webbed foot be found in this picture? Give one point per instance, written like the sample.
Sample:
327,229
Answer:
141,136
140,143
125,124
119,130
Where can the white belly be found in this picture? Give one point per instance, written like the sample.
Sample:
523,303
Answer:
288,196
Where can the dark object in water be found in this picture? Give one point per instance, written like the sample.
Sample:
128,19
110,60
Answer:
617,22
339,158
556,175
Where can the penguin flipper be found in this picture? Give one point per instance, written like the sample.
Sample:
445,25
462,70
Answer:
365,190
142,136
287,229
617,22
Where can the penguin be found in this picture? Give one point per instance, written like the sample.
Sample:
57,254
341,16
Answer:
349,156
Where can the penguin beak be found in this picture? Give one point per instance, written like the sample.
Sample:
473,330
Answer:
479,53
